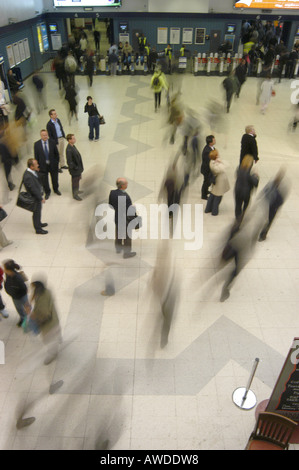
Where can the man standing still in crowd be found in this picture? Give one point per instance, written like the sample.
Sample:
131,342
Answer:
33,187
75,165
56,133
46,153
123,241
205,165
248,144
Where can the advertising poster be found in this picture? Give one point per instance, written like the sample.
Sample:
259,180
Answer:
279,5
285,396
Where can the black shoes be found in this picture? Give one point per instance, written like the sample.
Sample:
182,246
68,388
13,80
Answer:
41,232
47,195
64,167
77,198
57,192
44,225
130,254
11,186
224,294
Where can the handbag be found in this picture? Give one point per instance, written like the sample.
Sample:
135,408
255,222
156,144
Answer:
3,214
137,218
25,200
102,120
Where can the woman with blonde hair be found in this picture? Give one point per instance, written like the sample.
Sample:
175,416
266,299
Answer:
246,181
220,184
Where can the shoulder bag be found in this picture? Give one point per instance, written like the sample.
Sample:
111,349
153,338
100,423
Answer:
25,200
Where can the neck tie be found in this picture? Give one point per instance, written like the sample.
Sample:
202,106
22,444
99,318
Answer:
46,151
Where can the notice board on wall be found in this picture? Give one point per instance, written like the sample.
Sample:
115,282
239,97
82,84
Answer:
162,34
285,396
200,35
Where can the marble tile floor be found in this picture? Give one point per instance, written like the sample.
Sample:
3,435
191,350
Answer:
120,387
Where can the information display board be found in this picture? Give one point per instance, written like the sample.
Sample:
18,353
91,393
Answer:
87,3
267,4
285,396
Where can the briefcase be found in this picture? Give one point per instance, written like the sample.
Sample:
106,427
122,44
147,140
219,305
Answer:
25,200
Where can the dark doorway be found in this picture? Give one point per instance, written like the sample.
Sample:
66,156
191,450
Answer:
285,36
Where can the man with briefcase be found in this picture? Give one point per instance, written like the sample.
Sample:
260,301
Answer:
35,190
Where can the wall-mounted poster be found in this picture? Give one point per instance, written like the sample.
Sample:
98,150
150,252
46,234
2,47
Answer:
10,55
22,51
162,35
39,38
187,35
124,37
230,38
44,33
200,35
26,48
16,53
174,35
56,42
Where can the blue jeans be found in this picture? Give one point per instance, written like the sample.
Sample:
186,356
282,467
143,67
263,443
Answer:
19,304
94,127
213,204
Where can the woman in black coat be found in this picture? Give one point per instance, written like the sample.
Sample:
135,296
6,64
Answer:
15,286
245,183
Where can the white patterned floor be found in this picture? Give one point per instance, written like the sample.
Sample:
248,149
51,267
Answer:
119,385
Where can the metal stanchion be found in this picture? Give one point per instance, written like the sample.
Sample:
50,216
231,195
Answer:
221,67
145,66
243,397
196,61
209,64
203,62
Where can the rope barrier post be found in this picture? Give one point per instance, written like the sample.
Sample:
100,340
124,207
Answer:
243,397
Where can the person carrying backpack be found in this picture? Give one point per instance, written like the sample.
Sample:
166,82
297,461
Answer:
158,82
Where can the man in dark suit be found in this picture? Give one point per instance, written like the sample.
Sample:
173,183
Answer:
205,165
119,197
248,144
75,165
33,187
46,153
56,133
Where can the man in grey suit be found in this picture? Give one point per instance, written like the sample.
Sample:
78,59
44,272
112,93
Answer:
33,187
75,165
